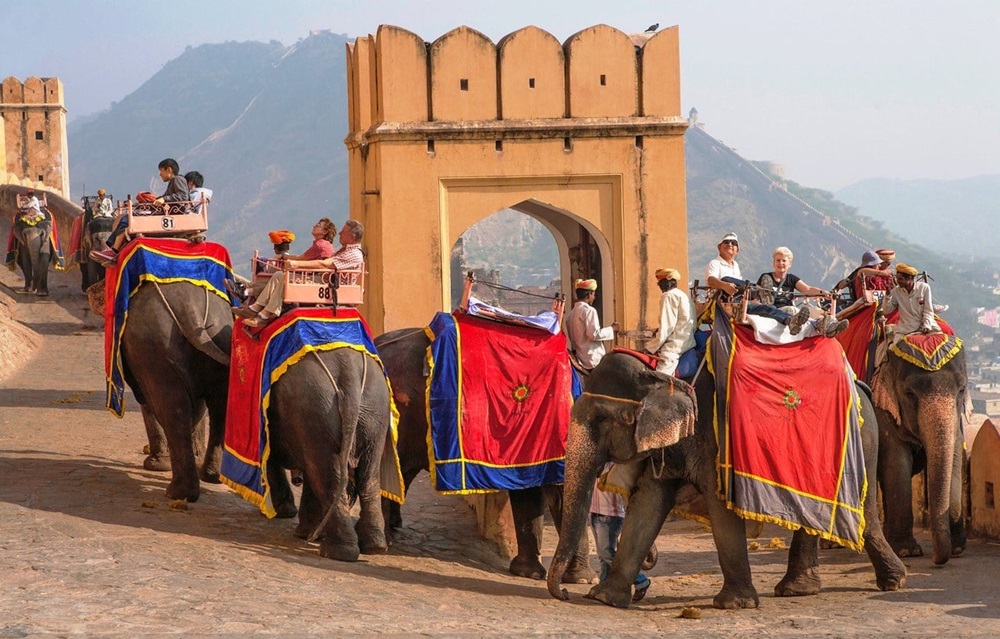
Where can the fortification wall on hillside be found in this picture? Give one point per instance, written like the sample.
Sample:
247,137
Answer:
34,150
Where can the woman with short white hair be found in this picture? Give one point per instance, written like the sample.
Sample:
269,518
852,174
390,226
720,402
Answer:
778,288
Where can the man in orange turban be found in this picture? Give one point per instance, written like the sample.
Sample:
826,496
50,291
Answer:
586,337
676,332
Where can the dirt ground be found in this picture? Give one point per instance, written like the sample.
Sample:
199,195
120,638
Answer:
89,545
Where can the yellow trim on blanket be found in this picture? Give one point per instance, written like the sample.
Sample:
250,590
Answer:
464,461
947,357
770,519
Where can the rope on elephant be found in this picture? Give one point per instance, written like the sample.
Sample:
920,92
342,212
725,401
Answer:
344,451
167,304
612,398
204,320
401,337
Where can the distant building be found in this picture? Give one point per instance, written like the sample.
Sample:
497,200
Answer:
33,149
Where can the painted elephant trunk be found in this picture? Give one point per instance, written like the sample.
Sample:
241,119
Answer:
583,461
940,479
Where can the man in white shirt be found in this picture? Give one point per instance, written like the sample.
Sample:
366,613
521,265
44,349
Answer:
913,301
676,332
586,337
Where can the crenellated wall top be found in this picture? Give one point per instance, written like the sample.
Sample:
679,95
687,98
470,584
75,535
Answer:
395,77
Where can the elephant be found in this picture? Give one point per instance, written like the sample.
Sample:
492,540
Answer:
34,253
329,417
96,232
404,354
630,414
919,415
175,354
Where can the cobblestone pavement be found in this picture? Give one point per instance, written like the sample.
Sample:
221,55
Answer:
89,545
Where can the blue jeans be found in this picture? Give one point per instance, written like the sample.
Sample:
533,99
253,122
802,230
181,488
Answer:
763,310
606,531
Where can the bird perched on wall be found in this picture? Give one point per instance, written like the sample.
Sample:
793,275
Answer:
652,28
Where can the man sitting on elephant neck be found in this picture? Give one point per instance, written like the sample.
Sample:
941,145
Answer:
269,304
583,330
30,204
916,310
676,331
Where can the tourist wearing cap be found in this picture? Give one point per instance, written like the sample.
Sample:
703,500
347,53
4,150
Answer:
913,301
723,273
676,332
586,337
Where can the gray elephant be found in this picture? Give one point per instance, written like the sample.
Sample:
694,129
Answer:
329,417
34,252
96,232
631,414
404,353
175,355
919,414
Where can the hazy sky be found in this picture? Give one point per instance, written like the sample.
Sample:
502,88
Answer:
838,91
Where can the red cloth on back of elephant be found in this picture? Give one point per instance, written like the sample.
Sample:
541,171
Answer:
789,433
859,342
76,243
645,358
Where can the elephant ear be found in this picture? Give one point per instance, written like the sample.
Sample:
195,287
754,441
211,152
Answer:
667,414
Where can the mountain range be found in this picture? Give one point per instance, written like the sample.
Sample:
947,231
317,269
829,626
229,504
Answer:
265,125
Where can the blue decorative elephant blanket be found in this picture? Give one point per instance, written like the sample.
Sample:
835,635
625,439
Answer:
499,402
165,261
257,363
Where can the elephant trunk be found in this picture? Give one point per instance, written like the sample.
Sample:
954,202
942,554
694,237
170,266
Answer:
939,425
583,461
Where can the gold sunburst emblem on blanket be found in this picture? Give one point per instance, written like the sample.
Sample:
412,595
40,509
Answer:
521,392
791,400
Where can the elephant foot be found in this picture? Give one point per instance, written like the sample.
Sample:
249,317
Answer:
181,490
617,597
373,542
530,567
210,476
579,572
730,598
908,548
800,586
651,557
340,552
892,581
286,510
304,529
158,463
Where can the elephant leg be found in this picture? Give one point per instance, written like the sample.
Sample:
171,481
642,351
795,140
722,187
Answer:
371,525
579,570
281,492
895,470
890,573
211,468
729,532
42,274
527,507
176,414
158,457
802,576
310,512
647,509
340,540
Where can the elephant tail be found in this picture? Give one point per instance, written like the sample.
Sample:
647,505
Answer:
349,404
